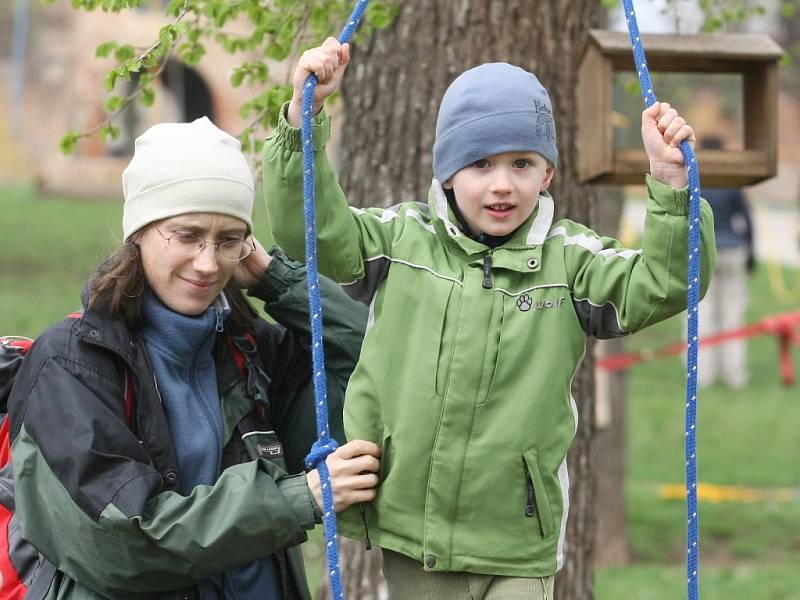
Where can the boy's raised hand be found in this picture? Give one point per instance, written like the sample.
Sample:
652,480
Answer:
328,62
663,130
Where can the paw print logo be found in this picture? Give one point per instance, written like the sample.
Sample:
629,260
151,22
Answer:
524,303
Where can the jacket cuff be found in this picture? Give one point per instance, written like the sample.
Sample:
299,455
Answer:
281,273
289,137
295,490
674,201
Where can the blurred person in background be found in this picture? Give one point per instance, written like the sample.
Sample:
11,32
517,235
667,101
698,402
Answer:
725,304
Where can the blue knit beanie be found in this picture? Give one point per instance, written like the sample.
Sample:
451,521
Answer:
492,108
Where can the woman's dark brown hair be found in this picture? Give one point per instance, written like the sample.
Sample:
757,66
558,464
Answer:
118,284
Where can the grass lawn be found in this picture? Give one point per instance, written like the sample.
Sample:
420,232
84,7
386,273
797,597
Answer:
48,248
746,438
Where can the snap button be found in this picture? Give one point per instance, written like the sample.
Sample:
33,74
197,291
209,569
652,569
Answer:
171,477
533,263
430,561
94,333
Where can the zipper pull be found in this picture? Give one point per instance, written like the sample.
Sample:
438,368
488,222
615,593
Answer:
367,541
220,316
530,508
487,271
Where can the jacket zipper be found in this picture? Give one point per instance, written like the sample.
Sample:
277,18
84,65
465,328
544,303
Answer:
367,541
220,317
487,270
137,408
530,506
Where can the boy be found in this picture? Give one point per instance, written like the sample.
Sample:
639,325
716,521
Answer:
479,309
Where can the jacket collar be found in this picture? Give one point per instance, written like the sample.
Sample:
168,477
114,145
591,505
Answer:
522,252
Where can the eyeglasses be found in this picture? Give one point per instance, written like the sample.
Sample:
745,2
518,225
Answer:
189,243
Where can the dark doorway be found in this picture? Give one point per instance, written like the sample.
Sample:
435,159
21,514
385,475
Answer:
191,92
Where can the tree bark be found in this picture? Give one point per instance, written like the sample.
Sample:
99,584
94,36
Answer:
390,97
611,390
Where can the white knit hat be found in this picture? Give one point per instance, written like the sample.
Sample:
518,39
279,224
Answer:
180,168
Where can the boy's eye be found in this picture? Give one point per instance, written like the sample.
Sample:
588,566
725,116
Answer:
521,163
481,164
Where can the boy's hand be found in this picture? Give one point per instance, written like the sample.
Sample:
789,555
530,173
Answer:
328,62
663,130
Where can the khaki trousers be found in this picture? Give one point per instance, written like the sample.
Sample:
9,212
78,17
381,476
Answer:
722,309
407,580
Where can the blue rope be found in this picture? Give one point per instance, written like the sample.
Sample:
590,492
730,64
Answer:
324,444
693,295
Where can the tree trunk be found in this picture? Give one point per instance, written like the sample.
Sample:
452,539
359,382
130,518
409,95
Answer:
391,95
362,578
613,549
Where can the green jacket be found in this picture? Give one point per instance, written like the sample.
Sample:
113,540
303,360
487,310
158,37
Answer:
465,371
95,491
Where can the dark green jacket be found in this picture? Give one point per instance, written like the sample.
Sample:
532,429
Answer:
95,494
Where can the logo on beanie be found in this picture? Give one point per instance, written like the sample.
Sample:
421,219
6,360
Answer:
545,126
541,107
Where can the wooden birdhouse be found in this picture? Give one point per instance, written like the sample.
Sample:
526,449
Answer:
753,56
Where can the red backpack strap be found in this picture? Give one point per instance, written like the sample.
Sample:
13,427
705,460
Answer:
239,355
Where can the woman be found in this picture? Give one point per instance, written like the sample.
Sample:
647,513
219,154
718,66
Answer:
197,489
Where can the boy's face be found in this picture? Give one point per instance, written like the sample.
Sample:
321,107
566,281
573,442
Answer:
497,194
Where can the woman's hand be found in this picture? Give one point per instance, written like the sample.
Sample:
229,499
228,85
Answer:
328,62
353,468
250,270
663,130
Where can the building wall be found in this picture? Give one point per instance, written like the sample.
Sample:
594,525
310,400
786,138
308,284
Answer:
63,91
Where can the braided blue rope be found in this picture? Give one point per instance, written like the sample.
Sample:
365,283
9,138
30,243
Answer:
693,296
324,444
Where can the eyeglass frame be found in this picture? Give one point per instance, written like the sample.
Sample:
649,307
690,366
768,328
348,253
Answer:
251,244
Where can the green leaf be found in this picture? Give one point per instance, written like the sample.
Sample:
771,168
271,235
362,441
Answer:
104,49
110,80
237,76
114,103
109,132
132,66
168,33
380,15
278,50
68,142
147,97
125,52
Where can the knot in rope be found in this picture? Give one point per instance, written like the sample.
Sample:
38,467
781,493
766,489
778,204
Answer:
320,450
324,444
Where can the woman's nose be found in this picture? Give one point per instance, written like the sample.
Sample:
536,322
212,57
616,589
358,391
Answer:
206,260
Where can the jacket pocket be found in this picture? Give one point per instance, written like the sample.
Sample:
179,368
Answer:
537,504
386,449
